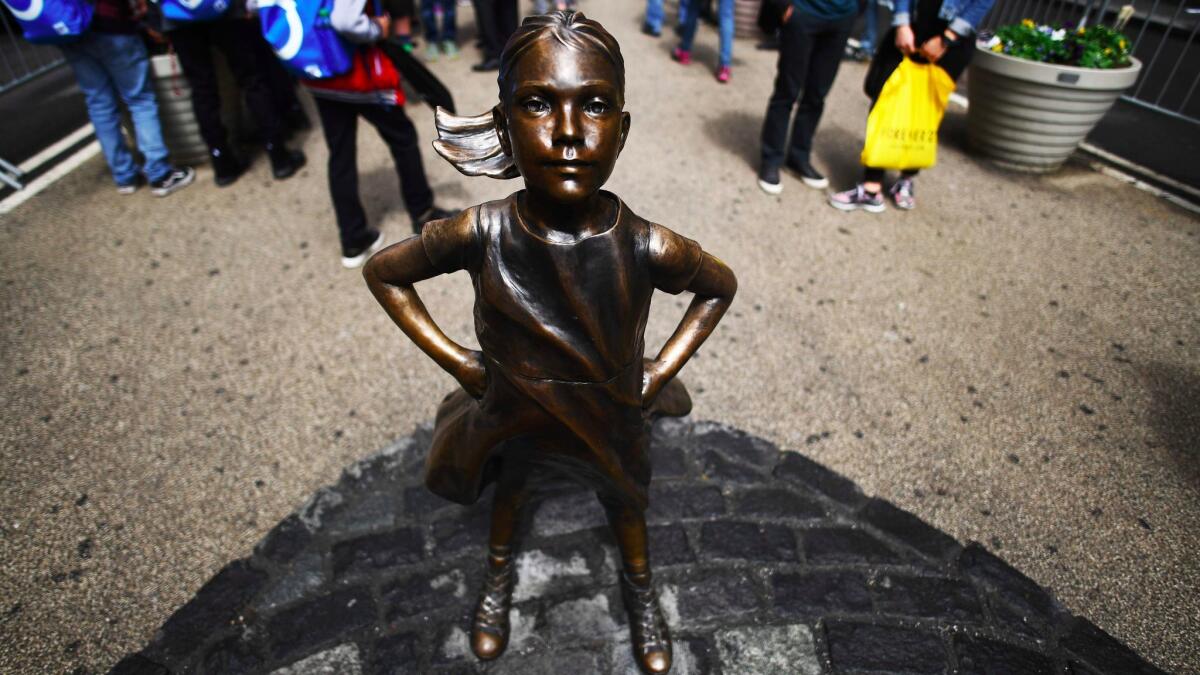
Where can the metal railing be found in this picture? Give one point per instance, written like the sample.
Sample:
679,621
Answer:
1163,33
20,61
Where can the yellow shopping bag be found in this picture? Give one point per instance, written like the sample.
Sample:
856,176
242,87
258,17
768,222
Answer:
902,127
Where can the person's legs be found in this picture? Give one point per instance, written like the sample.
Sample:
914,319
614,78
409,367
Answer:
726,22
398,132
795,48
193,46
128,64
507,14
449,21
687,26
485,13
827,45
870,28
429,21
654,17
232,38
339,122
100,95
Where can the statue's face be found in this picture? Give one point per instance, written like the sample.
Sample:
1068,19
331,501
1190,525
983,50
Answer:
563,124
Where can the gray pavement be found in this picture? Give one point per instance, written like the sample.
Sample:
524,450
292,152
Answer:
1017,361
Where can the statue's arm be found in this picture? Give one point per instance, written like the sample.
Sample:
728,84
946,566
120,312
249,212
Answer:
391,274
713,286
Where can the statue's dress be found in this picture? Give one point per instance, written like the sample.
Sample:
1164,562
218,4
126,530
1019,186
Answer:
561,328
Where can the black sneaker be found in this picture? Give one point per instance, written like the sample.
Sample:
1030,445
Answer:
356,256
768,179
811,177
488,64
647,29
176,179
432,213
227,167
284,161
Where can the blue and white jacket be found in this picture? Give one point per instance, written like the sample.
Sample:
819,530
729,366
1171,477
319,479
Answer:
963,15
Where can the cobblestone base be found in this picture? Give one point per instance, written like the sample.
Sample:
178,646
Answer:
766,562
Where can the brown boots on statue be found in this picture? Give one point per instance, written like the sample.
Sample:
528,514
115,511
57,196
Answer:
651,641
647,629
489,629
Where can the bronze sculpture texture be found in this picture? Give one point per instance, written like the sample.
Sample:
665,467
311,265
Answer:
563,274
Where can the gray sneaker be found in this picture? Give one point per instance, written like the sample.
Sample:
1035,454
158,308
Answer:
176,179
857,198
901,193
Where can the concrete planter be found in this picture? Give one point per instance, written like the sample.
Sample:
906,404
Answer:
180,130
1031,116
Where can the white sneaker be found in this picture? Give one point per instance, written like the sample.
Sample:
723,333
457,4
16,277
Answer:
351,260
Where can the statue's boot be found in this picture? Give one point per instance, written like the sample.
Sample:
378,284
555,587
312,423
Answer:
489,629
651,641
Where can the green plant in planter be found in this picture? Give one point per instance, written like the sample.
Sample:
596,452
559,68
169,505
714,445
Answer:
1089,47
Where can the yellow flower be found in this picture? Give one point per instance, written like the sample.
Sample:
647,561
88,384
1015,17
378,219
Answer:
1108,50
1081,31
997,47
1122,43
1028,23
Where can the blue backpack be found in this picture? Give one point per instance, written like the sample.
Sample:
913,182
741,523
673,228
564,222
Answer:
189,11
51,21
300,34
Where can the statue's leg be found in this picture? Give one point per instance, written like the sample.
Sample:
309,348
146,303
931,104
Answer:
650,639
490,627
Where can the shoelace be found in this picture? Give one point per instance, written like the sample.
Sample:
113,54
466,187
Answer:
648,623
497,596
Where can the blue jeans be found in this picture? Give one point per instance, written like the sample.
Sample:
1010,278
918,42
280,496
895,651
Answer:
724,21
871,28
448,31
655,15
112,67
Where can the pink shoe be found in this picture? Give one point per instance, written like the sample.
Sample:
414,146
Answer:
723,74
683,56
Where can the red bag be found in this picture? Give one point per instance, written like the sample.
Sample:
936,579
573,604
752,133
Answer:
372,72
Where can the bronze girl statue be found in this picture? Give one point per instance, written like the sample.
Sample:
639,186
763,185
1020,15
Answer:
563,275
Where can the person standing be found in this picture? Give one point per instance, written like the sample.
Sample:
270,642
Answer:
371,90
931,31
687,35
811,41
497,21
235,35
440,39
111,65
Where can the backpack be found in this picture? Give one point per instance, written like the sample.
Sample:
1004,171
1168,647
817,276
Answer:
51,21
190,11
300,34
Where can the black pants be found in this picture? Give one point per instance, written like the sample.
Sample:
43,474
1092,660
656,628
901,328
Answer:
497,23
340,123
235,38
810,51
